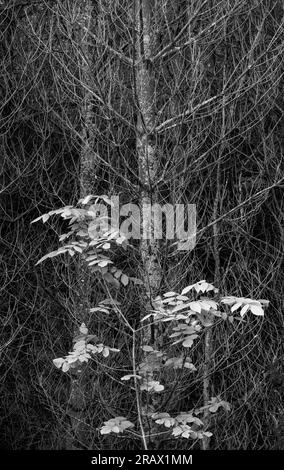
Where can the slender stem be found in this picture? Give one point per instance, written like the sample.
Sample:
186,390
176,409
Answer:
137,391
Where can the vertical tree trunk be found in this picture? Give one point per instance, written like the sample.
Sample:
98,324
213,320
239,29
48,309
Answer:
78,399
146,146
146,142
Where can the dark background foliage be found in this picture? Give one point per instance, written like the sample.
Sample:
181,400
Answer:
225,156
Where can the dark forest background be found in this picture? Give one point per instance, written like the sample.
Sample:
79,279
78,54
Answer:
68,126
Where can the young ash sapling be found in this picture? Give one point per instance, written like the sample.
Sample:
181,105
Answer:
185,315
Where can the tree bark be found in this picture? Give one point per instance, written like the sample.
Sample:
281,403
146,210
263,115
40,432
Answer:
146,143
146,147
78,398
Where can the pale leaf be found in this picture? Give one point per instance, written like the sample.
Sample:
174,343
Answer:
147,348
105,430
244,310
124,279
187,289
195,306
105,352
256,310
229,300
83,329
104,263
170,294
58,362
236,306
130,376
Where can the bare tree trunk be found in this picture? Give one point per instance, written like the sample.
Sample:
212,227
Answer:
146,146
78,399
146,142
